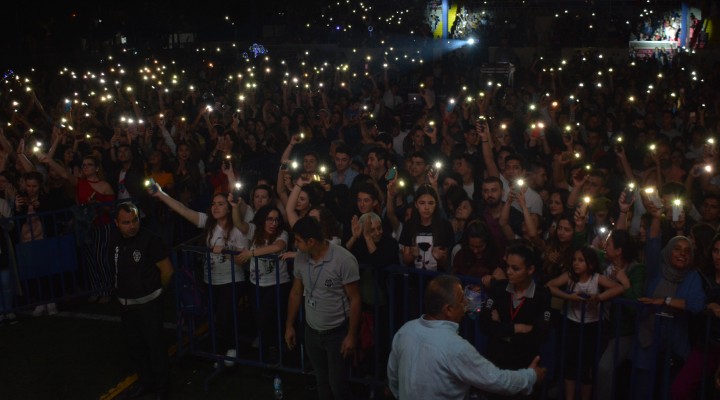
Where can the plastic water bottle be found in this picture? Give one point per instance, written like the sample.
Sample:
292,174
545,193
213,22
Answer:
277,387
474,302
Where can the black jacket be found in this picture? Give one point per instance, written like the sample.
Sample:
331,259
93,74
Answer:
507,349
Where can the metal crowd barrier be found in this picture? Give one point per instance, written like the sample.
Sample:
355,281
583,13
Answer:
48,256
43,265
397,297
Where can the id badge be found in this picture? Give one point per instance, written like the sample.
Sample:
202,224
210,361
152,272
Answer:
311,303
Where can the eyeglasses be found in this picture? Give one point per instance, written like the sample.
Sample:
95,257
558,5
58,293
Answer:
275,220
87,165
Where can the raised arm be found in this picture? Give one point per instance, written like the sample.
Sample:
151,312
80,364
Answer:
483,131
505,218
292,215
59,169
239,208
624,205
390,205
190,215
24,160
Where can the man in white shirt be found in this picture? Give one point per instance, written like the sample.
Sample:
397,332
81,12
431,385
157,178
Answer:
429,360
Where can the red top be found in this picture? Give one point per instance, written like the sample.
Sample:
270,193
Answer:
85,194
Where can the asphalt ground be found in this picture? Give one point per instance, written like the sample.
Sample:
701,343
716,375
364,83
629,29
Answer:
80,354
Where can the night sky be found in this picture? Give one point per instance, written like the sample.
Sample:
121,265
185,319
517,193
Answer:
30,27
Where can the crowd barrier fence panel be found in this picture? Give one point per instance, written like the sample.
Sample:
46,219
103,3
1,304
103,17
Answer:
405,289
46,255
43,258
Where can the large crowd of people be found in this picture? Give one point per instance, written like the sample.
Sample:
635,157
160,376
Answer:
604,173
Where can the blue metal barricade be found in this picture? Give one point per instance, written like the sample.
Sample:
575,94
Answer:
399,291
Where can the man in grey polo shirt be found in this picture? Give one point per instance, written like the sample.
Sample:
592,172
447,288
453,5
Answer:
327,276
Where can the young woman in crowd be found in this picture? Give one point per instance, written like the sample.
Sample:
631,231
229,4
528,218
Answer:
225,278
464,212
304,196
477,255
555,210
268,273
92,191
427,237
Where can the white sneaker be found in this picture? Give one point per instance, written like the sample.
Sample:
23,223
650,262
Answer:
39,311
11,318
230,353
52,309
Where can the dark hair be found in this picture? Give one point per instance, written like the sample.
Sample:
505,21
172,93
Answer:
414,223
211,222
383,138
703,234
708,267
312,154
380,153
266,188
493,179
622,240
97,162
368,188
471,161
517,157
308,228
477,229
34,176
445,174
314,192
262,237
564,194
344,149
328,222
452,199
440,291
525,252
537,164
420,154
592,261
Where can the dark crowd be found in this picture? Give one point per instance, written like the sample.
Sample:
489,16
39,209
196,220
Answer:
592,178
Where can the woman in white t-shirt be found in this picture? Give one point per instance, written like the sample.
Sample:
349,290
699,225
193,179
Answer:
225,277
268,274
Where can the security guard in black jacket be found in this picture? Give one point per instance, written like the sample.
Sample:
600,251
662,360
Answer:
142,271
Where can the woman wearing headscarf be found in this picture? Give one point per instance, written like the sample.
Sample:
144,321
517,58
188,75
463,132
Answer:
674,289
703,361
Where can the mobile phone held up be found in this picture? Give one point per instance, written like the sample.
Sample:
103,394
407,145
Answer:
152,185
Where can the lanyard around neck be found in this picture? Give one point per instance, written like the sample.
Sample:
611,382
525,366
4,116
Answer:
514,311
